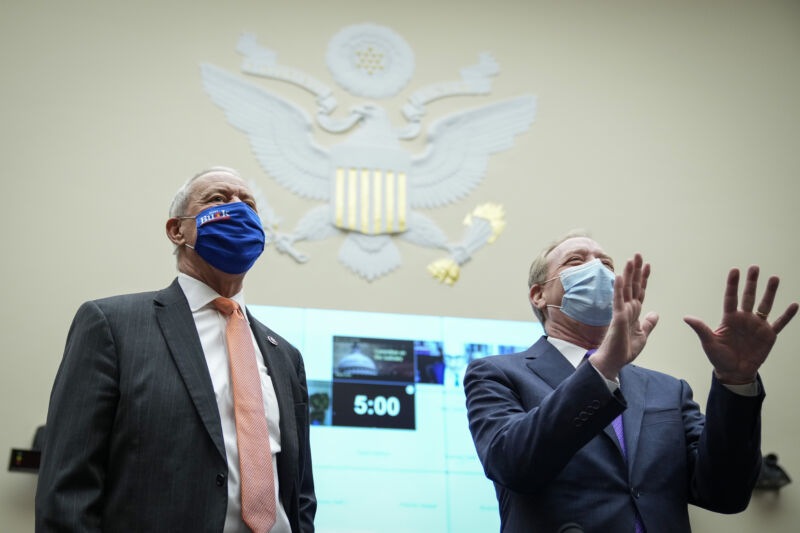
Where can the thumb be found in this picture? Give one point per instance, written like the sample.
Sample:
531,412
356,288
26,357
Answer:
649,323
703,332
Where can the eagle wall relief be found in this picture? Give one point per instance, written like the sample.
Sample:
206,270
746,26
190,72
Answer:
372,185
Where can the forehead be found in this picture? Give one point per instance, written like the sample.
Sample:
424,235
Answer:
575,244
215,181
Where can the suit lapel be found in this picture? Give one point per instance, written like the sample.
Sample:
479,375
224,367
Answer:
178,328
551,365
633,384
548,363
279,372
612,435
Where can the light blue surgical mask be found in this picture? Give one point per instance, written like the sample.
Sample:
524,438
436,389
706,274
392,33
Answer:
588,293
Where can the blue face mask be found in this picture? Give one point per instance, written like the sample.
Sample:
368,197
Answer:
229,237
588,293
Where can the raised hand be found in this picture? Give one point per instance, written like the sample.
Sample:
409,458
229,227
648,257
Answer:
744,338
626,334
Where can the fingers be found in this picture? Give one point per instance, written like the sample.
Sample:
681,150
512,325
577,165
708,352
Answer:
649,323
619,305
703,332
749,292
784,319
731,299
767,300
765,306
627,281
635,279
645,276
637,276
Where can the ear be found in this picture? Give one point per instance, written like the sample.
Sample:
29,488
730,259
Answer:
175,231
537,298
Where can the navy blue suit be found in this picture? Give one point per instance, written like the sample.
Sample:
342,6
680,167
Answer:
543,434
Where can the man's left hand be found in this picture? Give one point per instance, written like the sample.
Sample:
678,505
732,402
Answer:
744,338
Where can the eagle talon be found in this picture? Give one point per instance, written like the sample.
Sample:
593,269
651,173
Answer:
445,270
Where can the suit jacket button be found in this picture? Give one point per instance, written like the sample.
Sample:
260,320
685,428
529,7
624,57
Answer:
596,404
220,480
577,421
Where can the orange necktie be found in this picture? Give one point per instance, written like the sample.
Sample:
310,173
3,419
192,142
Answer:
252,433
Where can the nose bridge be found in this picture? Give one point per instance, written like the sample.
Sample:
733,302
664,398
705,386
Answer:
596,253
239,194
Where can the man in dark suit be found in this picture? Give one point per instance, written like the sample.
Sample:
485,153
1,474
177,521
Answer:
546,421
144,413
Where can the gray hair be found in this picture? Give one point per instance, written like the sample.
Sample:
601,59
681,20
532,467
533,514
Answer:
178,205
538,271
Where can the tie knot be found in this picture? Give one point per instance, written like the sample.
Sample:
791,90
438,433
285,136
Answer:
225,306
590,352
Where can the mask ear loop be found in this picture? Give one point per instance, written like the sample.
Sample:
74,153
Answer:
185,217
545,282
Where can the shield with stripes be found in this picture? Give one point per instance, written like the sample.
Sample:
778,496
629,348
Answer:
369,188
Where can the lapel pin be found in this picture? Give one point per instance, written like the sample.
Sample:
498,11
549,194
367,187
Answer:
272,340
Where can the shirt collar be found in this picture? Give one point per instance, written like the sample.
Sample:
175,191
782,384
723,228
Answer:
200,295
575,354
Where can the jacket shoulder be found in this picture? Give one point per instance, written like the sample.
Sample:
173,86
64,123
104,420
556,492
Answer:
508,360
125,305
123,300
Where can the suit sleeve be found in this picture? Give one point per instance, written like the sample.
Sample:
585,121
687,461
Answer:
308,500
524,449
83,402
724,448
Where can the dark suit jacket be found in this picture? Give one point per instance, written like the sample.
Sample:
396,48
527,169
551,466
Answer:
543,434
134,439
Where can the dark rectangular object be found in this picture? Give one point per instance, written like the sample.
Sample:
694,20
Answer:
373,405
24,460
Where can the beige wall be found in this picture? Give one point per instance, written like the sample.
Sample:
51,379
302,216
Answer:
669,128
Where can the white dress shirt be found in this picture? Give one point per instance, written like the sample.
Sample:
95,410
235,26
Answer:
211,326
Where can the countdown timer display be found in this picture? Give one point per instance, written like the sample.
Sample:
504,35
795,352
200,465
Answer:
363,404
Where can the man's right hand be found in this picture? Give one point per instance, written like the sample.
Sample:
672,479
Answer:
626,334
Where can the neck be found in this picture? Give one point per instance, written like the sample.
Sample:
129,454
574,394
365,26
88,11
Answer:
224,284
570,330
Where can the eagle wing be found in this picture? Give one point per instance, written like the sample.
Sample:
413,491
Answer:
279,132
455,159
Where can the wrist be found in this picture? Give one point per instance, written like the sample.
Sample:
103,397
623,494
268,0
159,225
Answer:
609,371
735,379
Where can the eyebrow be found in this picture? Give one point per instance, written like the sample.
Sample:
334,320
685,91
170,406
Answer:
222,189
215,190
584,252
